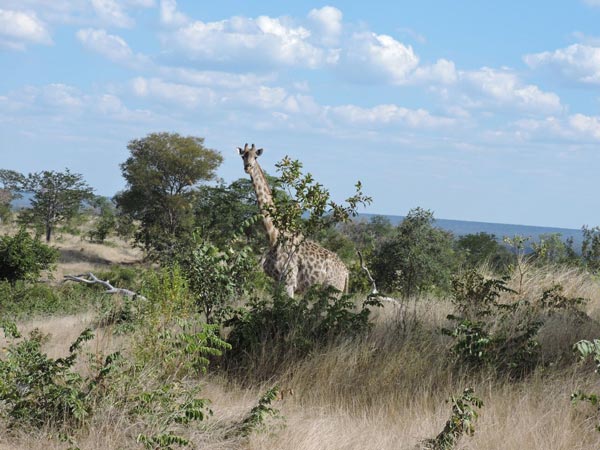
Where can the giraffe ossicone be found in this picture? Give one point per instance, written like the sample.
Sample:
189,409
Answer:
297,262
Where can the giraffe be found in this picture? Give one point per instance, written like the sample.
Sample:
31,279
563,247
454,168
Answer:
300,263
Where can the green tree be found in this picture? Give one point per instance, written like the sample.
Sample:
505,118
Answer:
107,219
222,212
551,249
57,196
162,172
417,258
480,248
368,235
11,183
590,248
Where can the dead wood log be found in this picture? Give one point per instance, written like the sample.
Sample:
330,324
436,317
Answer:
90,278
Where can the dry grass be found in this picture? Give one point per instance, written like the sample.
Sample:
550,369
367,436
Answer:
386,391
79,255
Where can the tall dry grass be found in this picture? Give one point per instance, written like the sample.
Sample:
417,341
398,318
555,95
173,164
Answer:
384,391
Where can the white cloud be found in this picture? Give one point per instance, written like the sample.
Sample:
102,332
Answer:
588,39
328,24
111,46
578,62
59,102
578,128
586,125
503,88
243,41
181,94
213,78
111,12
61,96
370,56
169,14
141,3
19,28
443,71
111,106
389,115
592,2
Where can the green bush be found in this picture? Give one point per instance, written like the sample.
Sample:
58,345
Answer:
123,277
462,421
103,227
286,327
217,277
23,257
38,390
489,332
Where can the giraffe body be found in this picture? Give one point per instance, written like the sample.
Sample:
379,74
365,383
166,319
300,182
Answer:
297,262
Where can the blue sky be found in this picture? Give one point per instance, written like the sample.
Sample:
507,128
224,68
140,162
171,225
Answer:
476,110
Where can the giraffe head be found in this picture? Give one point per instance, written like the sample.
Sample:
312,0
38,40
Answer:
249,155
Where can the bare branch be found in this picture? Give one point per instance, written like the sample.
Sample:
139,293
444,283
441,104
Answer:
90,278
374,291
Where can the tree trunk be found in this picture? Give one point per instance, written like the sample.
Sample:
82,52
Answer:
48,233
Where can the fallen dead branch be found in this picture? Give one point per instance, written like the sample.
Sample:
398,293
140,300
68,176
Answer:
90,278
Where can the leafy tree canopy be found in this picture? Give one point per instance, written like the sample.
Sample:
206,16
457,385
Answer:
162,172
482,248
222,212
417,258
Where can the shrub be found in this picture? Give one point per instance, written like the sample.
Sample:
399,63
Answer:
464,414
123,277
590,247
217,277
286,327
38,390
23,257
105,224
501,335
255,420
588,350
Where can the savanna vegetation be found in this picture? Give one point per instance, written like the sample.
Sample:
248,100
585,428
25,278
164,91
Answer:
179,339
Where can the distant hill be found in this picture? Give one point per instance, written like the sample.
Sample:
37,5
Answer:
462,227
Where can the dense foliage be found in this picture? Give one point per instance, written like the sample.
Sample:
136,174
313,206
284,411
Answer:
162,172
288,327
417,258
23,257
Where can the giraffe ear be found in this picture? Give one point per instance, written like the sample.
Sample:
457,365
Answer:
259,152
240,151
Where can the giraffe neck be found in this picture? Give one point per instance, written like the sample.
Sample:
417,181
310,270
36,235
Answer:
265,200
